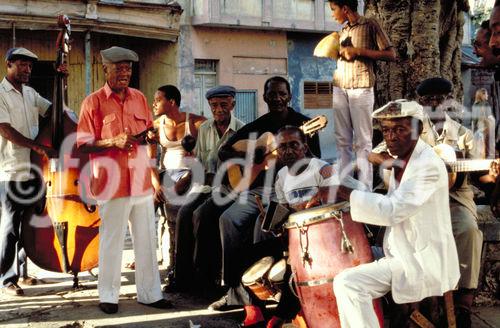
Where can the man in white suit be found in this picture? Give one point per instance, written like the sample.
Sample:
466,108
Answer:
420,253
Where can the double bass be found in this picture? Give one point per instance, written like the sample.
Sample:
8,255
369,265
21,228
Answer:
62,233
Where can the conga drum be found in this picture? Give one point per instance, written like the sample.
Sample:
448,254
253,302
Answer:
255,278
322,242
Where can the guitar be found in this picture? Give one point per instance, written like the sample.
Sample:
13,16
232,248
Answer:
454,166
240,179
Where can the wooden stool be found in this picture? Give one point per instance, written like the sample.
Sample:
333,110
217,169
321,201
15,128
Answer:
421,321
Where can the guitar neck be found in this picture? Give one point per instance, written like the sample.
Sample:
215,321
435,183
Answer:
470,165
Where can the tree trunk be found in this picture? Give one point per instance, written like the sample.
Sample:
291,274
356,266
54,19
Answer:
427,36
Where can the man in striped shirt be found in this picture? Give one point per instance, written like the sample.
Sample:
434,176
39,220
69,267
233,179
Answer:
362,42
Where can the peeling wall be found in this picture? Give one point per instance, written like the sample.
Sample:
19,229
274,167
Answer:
156,59
246,59
302,66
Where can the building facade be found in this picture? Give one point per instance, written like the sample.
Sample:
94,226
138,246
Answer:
244,42
149,27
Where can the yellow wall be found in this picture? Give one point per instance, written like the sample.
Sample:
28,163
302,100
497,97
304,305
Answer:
156,59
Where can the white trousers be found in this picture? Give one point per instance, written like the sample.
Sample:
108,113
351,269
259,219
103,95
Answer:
138,212
352,110
355,288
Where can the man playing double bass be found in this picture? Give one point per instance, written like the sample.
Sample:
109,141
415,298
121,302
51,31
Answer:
123,178
420,254
20,106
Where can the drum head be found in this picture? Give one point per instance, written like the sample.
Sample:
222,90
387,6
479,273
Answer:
257,270
315,215
277,272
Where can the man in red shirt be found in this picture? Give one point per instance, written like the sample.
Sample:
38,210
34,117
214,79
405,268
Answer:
123,179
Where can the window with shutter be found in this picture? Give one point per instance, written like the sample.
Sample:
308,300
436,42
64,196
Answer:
317,95
205,77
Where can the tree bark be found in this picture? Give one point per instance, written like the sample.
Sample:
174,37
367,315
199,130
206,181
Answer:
427,36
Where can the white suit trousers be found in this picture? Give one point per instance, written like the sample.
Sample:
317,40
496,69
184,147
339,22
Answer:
355,288
352,114
138,212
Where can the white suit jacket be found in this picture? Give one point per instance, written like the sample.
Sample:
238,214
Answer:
418,238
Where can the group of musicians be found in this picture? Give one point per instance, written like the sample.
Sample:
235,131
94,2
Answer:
431,243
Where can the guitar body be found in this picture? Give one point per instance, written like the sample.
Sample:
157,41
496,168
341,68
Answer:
241,178
266,140
455,164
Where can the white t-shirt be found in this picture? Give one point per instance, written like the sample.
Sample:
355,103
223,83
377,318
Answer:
296,189
21,111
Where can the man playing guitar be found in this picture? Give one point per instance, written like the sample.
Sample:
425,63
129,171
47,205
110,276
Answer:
440,127
238,221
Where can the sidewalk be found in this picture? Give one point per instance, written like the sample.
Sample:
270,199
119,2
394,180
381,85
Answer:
55,304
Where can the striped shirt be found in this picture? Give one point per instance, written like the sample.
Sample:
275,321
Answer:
365,33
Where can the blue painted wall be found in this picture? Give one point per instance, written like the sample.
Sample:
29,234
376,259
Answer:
302,66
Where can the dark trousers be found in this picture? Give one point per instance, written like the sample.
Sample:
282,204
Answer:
207,245
17,200
185,240
237,229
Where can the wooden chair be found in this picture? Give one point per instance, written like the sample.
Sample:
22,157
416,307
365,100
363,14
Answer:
421,321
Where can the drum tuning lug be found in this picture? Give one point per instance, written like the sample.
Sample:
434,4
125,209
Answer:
346,246
306,258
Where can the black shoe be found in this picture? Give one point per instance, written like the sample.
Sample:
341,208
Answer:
174,287
462,317
29,281
221,305
108,308
13,290
161,304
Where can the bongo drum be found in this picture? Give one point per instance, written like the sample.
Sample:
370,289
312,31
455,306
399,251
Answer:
323,241
277,274
255,278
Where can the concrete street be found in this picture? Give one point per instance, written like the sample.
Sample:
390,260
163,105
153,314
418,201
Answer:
55,304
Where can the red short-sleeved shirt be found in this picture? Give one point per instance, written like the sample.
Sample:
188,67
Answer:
116,172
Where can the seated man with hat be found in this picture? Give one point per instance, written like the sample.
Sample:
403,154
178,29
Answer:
124,179
192,254
420,253
442,130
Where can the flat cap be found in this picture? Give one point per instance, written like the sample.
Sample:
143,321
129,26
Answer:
398,109
118,54
434,86
221,91
16,53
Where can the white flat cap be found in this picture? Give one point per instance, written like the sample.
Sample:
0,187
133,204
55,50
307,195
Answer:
399,108
15,53
118,54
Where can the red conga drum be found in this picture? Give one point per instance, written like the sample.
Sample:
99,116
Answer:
323,241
